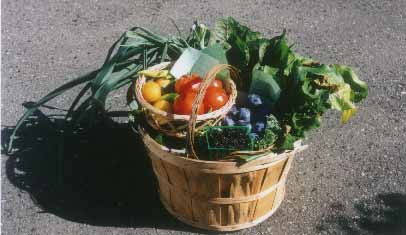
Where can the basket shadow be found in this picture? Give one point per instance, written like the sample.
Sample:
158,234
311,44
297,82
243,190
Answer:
384,214
104,177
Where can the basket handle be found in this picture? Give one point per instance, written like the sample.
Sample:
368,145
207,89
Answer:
210,76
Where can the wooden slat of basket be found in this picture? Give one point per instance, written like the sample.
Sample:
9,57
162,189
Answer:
212,193
213,222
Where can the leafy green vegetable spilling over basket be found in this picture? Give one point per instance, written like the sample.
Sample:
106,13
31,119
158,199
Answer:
283,94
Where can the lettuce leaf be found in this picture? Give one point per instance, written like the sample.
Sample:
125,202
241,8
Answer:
359,89
311,89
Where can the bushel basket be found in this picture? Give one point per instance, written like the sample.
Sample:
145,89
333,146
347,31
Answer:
217,195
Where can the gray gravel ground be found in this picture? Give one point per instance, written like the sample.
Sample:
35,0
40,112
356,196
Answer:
333,186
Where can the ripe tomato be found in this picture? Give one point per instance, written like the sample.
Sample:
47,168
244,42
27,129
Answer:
215,98
195,82
217,83
192,82
184,82
183,104
192,85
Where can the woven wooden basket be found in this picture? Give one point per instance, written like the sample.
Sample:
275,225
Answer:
174,124
217,195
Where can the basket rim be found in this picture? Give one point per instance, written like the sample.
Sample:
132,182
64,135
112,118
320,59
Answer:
172,116
179,155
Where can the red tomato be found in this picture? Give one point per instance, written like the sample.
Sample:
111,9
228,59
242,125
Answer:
215,98
192,85
182,81
187,82
217,83
183,104
192,82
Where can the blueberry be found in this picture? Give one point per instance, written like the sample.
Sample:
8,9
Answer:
259,127
245,114
254,100
228,121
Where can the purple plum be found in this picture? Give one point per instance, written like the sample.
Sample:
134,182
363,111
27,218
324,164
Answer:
254,100
245,114
228,121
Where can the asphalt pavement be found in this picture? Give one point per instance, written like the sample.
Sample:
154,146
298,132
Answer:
351,179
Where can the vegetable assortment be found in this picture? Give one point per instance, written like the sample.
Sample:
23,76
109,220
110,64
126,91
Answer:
287,93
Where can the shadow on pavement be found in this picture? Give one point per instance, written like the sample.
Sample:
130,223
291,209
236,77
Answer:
104,177
384,214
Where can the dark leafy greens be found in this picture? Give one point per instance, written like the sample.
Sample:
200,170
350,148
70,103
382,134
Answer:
241,45
299,89
271,133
